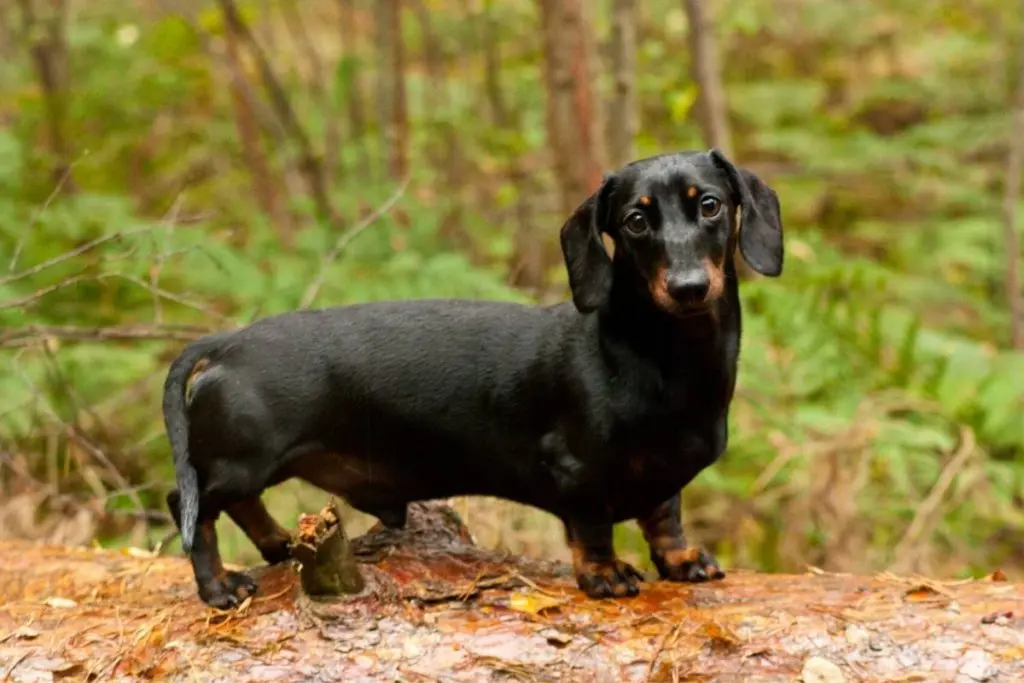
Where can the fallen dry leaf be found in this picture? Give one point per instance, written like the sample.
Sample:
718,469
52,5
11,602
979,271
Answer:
925,592
533,603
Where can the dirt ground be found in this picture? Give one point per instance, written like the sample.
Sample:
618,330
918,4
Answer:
436,608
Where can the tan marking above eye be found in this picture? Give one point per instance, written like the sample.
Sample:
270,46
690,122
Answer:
691,192
644,201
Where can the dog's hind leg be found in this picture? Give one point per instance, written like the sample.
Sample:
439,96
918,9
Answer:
217,587
269,537
663,531
599,573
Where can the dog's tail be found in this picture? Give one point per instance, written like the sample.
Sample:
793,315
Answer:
175,408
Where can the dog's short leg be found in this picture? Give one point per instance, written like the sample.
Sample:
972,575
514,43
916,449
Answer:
599,573
663,530
217,587
269,537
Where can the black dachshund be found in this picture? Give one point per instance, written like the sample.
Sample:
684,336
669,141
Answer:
597,411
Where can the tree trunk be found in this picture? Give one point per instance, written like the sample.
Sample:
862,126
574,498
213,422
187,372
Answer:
707,74
8,47
318,85
623,122
573,120
45,32
1011,195
353,93
530,259
394,121
435,94
264,184
437,608
310,164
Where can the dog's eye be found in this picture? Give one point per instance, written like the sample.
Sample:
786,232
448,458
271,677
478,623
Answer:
709,207
635,223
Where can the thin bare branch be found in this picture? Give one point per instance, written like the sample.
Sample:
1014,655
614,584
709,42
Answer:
346,239
33,334
37,215
74,253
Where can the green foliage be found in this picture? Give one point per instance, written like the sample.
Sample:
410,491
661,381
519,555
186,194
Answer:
866,367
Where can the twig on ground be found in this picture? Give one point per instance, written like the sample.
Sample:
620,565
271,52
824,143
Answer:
669,638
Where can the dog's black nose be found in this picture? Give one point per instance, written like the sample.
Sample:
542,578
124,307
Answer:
688,289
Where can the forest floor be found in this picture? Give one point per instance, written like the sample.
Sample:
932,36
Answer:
437,608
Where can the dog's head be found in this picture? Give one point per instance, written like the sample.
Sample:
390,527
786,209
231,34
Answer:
673,220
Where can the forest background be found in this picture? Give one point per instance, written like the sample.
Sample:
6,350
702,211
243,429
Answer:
171,168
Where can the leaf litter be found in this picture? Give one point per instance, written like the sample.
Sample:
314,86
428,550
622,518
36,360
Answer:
437,608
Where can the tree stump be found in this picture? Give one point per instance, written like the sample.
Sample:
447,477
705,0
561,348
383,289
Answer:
328,568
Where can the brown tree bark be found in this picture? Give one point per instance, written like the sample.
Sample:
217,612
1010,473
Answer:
353,87
1011,195
530,259
394,120
318,85
7,33
435,607
573,119
707,74
434,96
310,164
45,26
264,184
623,121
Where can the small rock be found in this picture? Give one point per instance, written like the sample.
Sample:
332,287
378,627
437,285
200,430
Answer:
857,635
977,666
555,637
1001,618
876,644
821,670
908,658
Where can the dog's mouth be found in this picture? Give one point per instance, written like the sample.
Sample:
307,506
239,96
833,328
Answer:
684,308
689,309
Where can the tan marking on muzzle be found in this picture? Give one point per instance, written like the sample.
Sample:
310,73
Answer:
659,290
716,280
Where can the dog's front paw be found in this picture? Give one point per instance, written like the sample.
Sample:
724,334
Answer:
228,591
687,564
614,579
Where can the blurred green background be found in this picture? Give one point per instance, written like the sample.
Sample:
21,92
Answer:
168,168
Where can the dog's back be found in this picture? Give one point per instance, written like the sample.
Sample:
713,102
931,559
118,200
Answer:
438,397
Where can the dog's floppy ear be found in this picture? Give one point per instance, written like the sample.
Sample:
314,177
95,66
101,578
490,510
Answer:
586,259
761,223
